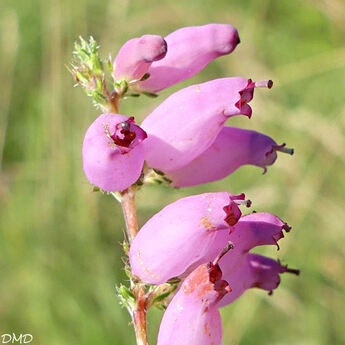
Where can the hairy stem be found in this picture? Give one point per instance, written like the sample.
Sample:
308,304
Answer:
139,313
139,317
130,213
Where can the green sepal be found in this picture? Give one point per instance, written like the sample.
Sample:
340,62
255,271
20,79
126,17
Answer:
126,293
99,98
149,94
128,272
158,172
110,65
163,296
125,246
133,95
82,77
145,77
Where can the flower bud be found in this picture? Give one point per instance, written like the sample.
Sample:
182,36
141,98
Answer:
189,232
113,156
233,148
189,121
190,49
192,316
136,56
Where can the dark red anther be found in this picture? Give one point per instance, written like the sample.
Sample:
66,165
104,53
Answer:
214,272
123,135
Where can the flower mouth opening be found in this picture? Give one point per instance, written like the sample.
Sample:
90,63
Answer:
127,135
232,211
246,95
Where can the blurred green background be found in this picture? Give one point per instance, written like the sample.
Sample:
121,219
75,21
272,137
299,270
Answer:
59,242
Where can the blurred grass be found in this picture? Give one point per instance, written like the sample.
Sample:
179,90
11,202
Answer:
60,256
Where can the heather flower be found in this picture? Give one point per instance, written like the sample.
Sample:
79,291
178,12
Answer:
190,49
136,56
188,122
192,316
233,148
256,271
189,232
112,155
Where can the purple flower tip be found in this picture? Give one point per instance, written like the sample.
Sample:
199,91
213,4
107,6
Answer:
256,271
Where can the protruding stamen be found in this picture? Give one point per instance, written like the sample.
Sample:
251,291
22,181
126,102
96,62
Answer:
292,270
247,203
282,148
228,247
264,83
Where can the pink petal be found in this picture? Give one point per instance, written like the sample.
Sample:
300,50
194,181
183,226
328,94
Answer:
232,148
188,122
190,49
183,235
252,230
136,56
192,316
113,156
255,272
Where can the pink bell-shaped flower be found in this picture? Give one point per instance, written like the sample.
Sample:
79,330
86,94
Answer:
255,272
233,148
113,155
136,56
190,49
189,232
192,316
188,122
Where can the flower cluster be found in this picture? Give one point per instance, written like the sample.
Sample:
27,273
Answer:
187,238
203,240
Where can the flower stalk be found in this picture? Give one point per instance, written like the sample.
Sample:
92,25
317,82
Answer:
139,316
138,289
129,213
